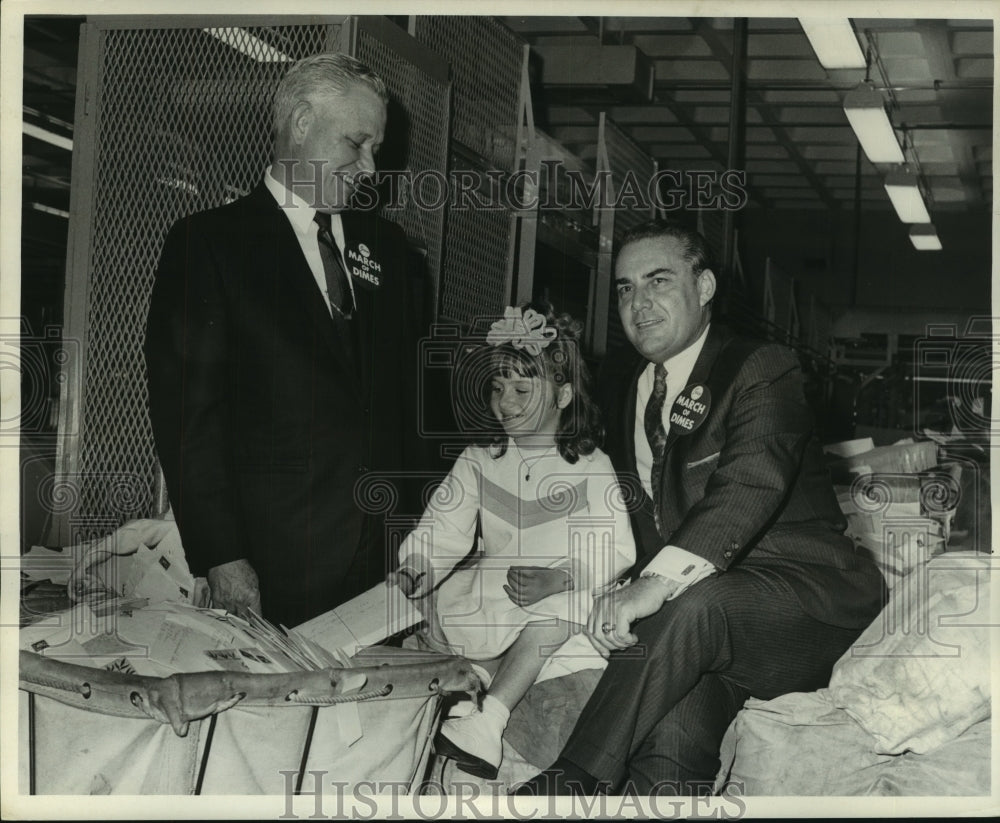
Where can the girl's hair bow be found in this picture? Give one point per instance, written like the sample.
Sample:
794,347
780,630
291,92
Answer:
523,331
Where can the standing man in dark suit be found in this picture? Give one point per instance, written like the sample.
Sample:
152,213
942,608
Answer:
280,356
746,583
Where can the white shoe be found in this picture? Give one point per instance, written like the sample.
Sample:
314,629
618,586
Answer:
462,708
474,741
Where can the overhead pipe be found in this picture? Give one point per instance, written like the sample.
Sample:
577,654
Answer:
812,85
856,269
736,158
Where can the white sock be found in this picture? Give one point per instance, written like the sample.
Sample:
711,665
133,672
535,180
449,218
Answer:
496,712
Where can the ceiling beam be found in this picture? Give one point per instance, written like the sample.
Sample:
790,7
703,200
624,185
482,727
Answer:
937,51
724,55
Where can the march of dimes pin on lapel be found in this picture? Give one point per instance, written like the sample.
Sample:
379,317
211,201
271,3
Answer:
364,266
690,408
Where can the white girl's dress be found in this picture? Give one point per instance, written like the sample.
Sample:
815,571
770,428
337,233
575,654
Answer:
543,512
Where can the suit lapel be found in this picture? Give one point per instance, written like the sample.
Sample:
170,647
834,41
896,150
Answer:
628,418
296,272
648,542
364,322
701,373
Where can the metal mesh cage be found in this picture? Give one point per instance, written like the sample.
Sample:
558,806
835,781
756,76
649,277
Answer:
181,123
572,198
176,120
418,119
474,276
485,58
616,333
712,224
624,158
486,64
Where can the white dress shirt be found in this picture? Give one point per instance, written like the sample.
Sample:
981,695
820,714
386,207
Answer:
671,562
300,214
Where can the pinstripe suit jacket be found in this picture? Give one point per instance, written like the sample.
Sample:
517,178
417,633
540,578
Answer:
749,485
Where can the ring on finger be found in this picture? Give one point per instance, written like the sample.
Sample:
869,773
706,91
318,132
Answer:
607,627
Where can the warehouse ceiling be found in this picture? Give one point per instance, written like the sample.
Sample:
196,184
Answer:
665,82
50,50
937,76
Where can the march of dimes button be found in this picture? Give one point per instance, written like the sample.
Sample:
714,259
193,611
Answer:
690,408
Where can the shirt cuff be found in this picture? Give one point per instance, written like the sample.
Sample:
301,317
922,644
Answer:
679,565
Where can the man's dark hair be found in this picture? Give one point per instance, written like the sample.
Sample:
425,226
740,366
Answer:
697,250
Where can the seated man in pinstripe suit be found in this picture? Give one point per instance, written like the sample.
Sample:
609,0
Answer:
745,584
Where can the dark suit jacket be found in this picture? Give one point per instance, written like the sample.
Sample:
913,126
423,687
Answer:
749,485
263,418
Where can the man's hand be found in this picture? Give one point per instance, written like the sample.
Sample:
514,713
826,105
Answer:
202,594
529,584
611,619
235,587
414,577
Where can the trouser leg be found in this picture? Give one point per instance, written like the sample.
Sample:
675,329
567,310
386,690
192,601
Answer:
684,746
746,627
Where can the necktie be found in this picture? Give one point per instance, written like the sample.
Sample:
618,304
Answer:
655,433
337,286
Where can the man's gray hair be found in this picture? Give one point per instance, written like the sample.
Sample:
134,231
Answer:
327,75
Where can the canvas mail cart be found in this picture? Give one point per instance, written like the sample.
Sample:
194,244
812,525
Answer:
91,731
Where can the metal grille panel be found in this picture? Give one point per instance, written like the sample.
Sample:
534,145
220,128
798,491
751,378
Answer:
474,278
485,58
475,266
486,63
616,333
549,150
179,121
625,157
423,103
712,224
183,125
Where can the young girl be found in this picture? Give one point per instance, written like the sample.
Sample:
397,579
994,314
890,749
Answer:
553,524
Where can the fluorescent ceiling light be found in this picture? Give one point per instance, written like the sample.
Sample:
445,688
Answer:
905,195
248,44
48,118
865,110
49,137
49,209
924,238
833,40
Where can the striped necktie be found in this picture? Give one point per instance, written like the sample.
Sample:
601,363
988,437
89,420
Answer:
655,433
337,286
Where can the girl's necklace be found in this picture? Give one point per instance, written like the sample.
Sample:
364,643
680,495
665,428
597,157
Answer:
525,461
